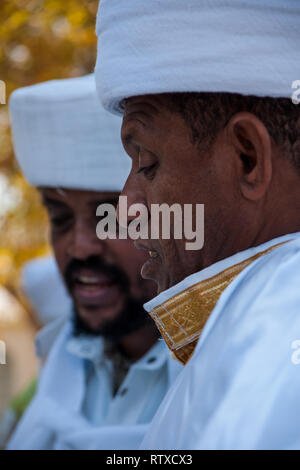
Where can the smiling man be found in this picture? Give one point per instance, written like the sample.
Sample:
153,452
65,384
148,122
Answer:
205,92
106,289
106,372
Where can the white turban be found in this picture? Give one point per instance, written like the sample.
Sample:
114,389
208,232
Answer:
64,138
250,47
45,289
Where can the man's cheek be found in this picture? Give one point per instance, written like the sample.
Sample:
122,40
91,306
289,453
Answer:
174,256
60,256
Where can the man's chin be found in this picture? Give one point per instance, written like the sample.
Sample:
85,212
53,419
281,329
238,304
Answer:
115,326
162,282
93,321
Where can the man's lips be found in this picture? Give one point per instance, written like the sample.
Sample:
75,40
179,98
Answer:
92,288
152,266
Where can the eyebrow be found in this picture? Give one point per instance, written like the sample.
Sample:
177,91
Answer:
54,202
127,137
110,200
48,201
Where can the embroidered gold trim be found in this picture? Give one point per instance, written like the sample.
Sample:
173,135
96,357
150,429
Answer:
181,318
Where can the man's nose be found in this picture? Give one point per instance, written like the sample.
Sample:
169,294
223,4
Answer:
84,242
131,194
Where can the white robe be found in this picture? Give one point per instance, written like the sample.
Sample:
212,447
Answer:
241,388
55,418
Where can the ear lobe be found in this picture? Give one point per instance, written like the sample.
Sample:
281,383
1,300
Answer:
253,149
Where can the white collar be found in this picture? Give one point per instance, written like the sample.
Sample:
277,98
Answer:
86,347
92,348
215,269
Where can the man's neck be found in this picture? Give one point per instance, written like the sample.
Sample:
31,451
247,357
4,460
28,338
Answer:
136,344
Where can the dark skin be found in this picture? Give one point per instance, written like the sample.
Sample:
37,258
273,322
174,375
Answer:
250,190
98,299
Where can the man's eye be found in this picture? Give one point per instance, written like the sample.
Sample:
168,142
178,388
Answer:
147,170
60,222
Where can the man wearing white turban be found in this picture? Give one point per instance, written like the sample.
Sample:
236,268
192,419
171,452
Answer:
205,88
106,372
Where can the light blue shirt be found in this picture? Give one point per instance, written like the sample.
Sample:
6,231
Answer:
74,407
140,393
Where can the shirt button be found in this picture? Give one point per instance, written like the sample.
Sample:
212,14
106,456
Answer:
151,359
123,392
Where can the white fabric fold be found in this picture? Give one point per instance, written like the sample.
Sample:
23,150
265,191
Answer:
157,46
64,138
240,389
215,269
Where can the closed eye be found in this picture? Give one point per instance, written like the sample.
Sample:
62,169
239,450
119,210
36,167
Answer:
60,222
147,169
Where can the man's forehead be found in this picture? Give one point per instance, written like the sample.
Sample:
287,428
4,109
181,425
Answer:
153,102
67,194
152,112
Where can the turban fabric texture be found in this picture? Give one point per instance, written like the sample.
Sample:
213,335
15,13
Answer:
249,47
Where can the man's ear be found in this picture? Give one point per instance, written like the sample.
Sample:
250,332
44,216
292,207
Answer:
253,148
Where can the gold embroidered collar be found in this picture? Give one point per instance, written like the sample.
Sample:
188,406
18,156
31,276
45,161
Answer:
181,318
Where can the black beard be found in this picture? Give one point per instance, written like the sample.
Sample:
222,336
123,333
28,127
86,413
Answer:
130,319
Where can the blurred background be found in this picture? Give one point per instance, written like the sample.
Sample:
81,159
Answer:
39,40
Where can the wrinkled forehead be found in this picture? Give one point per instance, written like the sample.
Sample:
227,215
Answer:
153,103
152,111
